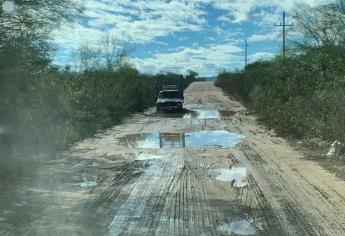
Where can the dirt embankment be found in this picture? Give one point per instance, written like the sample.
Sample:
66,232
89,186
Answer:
211,171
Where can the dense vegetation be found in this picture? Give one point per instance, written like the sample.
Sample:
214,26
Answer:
44,107
304,94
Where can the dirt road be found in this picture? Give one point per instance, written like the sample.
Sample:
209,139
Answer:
210,171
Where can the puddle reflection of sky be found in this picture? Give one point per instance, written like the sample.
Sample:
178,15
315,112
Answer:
203,114
219,138
239,227
237,175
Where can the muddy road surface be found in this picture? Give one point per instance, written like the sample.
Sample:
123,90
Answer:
211,170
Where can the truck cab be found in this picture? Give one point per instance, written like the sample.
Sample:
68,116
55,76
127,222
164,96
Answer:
170,99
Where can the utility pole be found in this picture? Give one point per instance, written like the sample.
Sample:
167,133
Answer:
246,45
284,32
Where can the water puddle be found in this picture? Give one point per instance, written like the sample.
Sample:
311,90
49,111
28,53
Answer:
197,113
239,227
148,156
202,114
88,183
87,163
236,175
220,138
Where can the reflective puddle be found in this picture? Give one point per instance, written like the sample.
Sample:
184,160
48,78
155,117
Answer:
221,138
148,156
200,114
239,227
88,183
236,175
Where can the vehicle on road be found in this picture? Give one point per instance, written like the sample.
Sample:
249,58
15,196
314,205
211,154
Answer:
170,99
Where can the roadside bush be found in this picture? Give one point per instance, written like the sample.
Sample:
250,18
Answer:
304,99
52,108
232,83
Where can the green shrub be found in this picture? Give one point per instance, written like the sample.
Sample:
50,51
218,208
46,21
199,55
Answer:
303,96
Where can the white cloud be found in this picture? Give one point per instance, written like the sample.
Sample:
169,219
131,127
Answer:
239,10
132,21
272,36
267,18
205,60
261,56
142,21
71,36
146,21
223,35
224,18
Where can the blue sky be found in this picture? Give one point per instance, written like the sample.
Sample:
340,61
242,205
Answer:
202,35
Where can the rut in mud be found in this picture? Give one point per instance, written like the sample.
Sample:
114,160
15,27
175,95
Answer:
209,171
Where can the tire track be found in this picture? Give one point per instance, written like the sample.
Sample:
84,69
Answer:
291,202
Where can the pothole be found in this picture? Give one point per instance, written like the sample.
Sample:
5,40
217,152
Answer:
202,114
198,112
88,183
238,227
149,156
220,138
236,175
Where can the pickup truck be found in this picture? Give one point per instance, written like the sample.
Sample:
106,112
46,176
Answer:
170,100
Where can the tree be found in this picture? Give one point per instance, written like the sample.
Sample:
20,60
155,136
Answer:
114,52
32,16
109,56
192,75
27,97
87,58
322,25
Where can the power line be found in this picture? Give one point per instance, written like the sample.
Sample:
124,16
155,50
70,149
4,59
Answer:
284,32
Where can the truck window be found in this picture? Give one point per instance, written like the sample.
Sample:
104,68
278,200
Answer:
170,94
